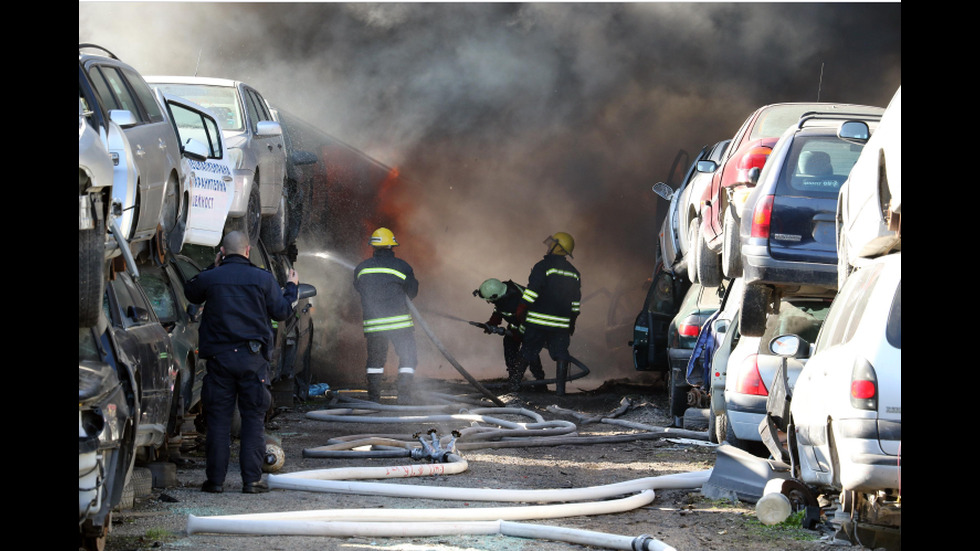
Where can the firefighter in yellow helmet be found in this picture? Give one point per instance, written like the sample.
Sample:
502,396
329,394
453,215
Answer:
384,282
506,296
549,308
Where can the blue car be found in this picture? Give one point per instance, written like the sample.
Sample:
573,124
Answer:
788,227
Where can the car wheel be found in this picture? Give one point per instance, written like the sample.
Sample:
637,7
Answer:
274,228
693,233
251,222
755,308
720,428
91,274
173,217
731,249
677,396
709,265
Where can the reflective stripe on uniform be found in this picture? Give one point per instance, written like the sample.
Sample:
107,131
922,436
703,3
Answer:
529,295
395,273
556,271
409,370
388,324
538,318
576,306
375,370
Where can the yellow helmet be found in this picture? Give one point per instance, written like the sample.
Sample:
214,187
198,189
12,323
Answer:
560,243
382,237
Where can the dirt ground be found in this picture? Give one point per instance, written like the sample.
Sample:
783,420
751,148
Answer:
681,518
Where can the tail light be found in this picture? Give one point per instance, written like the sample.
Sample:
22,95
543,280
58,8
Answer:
753,158
761,216
689,327
749,381
864,386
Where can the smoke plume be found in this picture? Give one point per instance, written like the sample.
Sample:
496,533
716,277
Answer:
507,122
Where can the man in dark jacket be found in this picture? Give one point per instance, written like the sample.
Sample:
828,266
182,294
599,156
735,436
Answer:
384,282
236,339
506,296
549,309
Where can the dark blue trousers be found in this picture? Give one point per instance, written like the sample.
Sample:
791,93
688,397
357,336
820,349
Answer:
237,376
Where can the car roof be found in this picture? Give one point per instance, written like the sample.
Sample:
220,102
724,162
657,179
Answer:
208,81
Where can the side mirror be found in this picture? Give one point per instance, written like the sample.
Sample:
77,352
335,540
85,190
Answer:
754,175
789,346
268,128
720,326
306,290
195,150
137,314
707,166
663,190
122,117
854,130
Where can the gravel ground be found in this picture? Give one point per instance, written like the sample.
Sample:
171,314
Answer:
681,518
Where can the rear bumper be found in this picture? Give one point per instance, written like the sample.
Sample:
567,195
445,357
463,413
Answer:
745,412
759,267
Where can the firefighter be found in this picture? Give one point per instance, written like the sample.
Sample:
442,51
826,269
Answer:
236,340
384,282
506,296
549,308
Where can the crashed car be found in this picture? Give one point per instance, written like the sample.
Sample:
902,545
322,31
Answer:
114,91
255,144
137,331
869,206
108,411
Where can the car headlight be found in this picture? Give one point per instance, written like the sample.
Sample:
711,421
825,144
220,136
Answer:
235,157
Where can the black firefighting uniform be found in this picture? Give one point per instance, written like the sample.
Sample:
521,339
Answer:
552,298
236,339
505,309
383,282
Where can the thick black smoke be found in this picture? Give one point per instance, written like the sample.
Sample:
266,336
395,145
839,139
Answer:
510,122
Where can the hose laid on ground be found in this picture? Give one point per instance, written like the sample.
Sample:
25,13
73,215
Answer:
431,522
423,529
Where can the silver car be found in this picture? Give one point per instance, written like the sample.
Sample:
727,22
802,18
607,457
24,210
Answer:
114,91
256,149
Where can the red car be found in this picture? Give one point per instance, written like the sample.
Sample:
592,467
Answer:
713,235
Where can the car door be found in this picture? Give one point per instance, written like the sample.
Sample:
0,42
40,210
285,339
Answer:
208,183
270,149
137,328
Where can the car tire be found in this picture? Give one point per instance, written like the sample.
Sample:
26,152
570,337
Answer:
755,309
697,419
709,265
274,228
720,428
173,217
731,249
693,232
91,274
251,222
677,396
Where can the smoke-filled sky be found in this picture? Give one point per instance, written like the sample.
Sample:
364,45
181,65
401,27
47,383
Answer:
510,121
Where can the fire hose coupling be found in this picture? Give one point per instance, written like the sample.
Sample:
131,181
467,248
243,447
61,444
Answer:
433,450
641,542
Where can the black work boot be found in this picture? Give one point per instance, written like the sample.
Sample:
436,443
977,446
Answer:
561,373
405,389
374,388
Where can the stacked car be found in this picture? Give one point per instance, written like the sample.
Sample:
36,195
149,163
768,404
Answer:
157,178
802,219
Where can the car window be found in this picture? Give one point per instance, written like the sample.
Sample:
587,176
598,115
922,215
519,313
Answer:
775,120
191,124
222,101
186,268
146,98
112,91
661,296
796,317
816,166
161,297
893,329
848,308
